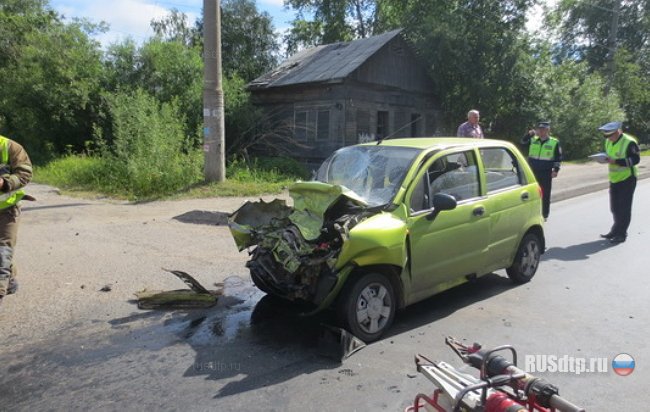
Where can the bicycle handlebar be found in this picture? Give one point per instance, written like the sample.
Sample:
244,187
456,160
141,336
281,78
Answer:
491,364
561,404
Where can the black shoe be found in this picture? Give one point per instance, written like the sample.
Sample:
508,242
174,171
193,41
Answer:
13,286
607,236
617,239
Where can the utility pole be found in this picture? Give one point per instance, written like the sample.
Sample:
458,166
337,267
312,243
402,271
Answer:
611,45
213,113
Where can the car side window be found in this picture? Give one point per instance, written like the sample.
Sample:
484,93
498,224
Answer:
455,174
501,169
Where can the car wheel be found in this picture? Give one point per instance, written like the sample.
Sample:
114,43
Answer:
367,307
260,285
527,259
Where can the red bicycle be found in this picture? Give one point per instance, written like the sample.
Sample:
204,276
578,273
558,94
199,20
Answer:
501,387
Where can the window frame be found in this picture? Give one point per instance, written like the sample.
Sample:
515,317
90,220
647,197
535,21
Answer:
519,172
423,177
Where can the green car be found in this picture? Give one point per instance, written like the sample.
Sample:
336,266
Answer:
385,225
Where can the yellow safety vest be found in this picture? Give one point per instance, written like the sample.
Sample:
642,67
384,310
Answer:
542,150
10,198
617,151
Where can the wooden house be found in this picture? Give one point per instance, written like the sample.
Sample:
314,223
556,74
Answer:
346,93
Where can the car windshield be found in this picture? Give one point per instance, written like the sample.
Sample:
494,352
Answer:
374,173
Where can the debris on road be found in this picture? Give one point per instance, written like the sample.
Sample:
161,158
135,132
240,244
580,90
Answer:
106,288
197,297
338,344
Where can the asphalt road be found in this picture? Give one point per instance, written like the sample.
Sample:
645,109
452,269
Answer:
64,347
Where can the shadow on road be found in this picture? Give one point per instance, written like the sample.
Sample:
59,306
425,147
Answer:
31,208
269,343
577,252
247,342
446,303
204,217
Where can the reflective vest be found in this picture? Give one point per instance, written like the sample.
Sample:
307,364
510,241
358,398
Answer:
542,150
617,151
10,198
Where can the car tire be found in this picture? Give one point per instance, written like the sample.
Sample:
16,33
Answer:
260,285
367,306
526,260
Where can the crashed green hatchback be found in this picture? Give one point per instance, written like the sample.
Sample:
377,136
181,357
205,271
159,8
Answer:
385,225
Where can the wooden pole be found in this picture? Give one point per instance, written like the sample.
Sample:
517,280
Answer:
213,107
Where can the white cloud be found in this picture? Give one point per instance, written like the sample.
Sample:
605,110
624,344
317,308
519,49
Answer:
127,18
278,3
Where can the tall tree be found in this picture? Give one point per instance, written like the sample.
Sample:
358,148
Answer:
55,70
472,48
333,21
249,44
617,46
584,28
174,27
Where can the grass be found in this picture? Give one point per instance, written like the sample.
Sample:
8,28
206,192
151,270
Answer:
86,176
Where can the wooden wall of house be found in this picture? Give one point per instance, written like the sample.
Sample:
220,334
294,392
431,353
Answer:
352,114
395,65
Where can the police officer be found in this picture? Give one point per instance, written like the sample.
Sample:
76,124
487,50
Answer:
545,158
15,173
622,155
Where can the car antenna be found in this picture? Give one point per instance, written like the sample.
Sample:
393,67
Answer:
390,136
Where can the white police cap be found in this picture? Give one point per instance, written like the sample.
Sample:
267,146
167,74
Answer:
610,127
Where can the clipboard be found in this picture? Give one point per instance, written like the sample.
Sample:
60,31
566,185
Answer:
599,157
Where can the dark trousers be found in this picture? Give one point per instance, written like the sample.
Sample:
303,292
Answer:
545,180
620,204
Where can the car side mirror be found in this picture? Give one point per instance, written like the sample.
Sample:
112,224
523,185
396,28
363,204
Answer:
441,201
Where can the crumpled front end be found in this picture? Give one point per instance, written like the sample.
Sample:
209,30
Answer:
296,248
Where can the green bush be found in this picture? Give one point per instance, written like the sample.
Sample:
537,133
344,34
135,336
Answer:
148,154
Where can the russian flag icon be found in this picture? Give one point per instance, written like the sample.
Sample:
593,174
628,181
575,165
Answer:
623,364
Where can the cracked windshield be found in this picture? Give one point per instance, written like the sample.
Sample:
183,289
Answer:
372,172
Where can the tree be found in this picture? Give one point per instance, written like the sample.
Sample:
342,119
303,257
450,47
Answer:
584,29
333,21
472,47
631,79
170,71
249,44
174,27
55,70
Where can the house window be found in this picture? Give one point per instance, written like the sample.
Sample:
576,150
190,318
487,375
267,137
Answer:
323,125
416,119
382,124
300,126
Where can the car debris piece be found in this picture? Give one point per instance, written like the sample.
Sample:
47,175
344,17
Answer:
338,344
197,297
188,280
106,288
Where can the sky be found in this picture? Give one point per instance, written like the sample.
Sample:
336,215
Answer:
131,18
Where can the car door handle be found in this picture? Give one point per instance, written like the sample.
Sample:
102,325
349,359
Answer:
525,196
479,211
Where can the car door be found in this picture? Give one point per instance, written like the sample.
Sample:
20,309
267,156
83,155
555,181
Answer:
450,246
508,196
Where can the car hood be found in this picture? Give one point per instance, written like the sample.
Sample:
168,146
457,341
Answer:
311,201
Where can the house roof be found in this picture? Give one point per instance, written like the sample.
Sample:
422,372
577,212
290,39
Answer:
326,63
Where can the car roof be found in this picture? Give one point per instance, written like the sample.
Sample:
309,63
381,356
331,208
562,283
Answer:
439,142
